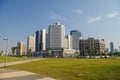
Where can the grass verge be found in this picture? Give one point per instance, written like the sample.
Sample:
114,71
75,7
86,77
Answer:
11,59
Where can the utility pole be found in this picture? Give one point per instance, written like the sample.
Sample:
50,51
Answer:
6,39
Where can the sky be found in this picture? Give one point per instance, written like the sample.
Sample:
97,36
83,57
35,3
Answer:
94,18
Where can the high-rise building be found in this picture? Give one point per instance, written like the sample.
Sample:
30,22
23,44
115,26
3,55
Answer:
40,40
22,48
91,46
56,39
31,43
56,36
75,39
37,41
43,39
111,47
47,41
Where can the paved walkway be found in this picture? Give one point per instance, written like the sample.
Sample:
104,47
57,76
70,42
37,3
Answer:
19,62
6,74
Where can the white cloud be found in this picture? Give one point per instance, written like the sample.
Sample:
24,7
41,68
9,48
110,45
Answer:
94,19
56,16
111,15
78,11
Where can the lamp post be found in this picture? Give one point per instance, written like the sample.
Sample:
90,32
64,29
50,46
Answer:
6,39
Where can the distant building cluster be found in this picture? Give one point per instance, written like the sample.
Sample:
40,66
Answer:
55,43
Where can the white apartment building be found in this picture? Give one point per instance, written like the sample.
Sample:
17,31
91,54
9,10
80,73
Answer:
22,48
31,43
56,36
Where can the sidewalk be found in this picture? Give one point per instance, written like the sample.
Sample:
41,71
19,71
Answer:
6,74
19,62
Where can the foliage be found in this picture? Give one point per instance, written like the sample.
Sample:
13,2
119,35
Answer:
114,54
29,52
13,50
110,54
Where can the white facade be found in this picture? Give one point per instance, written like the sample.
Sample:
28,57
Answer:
31,43
70,53
43,39
22,48
75,39
56,36
68,41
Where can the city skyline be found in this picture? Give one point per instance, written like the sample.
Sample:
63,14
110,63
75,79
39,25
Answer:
94,18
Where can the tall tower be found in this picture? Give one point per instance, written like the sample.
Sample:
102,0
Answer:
40,40
37,41
56,36
75,39
111,47
43,39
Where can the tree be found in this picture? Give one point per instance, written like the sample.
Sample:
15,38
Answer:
95,53
89,51
13,50
116,54
76,54
100,54
1,52
105,54
30,52
109,54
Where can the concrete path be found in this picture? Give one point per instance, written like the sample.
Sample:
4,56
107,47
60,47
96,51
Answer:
19,62
6,74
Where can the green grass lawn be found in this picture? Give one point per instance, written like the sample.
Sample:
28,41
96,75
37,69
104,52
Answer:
74,69
11,59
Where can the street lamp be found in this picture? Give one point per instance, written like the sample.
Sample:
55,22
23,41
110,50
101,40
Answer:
6,39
